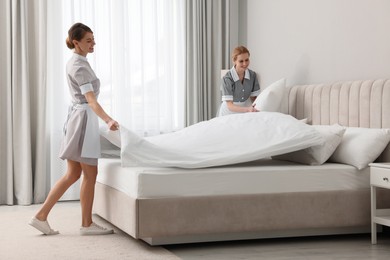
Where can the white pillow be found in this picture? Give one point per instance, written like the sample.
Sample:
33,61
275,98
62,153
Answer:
317,154
113,136
361,146
270,99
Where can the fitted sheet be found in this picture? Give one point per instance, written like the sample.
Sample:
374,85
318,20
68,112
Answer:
263,176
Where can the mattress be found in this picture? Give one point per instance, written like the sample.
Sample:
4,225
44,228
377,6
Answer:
263,176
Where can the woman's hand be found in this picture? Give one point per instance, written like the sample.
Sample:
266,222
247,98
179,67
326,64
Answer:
113,125
95,106
252,109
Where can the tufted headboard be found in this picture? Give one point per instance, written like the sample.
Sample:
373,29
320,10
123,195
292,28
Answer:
351,103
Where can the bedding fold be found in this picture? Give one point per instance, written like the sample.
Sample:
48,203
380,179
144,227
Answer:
220,141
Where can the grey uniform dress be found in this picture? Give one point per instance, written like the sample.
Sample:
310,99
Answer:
81,140
234,90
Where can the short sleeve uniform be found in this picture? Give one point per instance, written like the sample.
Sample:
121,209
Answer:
81,140
239,92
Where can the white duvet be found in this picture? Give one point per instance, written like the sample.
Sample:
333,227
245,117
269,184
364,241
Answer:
223,140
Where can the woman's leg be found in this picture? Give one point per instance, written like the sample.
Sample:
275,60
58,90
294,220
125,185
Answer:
72,175
39,221
87,193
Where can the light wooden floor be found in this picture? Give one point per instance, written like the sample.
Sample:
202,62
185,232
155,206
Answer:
325,247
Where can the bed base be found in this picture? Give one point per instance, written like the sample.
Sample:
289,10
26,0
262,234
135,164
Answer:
156,241
235,217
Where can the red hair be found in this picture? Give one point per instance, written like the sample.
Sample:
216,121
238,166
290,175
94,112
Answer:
238,51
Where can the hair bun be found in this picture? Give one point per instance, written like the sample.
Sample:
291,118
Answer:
69,43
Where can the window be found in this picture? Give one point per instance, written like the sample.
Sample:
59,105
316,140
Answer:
139,59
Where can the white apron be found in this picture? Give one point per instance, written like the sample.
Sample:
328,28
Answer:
91,144
224,110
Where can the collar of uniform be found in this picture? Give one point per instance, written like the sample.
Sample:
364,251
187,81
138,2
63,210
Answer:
235,75
81,57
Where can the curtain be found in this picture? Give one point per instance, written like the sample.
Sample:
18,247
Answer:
139,59
23,132
207,52
158,61
57,91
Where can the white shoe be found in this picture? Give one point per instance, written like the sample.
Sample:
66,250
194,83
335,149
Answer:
43,226
95,229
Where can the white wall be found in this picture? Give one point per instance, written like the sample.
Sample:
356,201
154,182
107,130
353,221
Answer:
318,41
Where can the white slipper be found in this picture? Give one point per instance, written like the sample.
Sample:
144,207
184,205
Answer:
95,229
43,226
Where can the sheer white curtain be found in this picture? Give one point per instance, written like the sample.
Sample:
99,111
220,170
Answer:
139,58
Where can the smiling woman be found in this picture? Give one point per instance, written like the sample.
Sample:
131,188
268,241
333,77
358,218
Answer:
240,85
139,57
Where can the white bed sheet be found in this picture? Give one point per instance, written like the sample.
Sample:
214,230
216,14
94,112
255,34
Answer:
264,176
225,140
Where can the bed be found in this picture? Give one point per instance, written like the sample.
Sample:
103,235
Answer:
258,199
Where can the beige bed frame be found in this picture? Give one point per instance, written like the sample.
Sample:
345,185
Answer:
232,217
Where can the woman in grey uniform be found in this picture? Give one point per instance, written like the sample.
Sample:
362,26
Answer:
81,143
240,86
